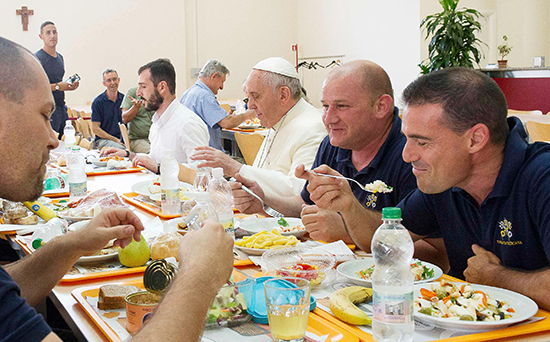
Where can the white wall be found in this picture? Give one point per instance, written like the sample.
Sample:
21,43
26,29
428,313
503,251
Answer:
100,34
385,32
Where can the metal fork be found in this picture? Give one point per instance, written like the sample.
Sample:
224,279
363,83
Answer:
341,177
268,210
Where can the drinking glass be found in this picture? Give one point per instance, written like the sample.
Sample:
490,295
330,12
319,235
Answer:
202,178
287,302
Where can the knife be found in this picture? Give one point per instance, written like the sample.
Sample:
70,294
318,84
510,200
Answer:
148,201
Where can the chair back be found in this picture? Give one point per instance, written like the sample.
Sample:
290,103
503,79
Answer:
249,144
124,134
226,107
85,127
538,131
514,112
85,143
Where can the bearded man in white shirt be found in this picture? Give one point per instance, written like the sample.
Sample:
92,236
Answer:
295,130
174,126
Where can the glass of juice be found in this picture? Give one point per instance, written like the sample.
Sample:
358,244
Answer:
287,302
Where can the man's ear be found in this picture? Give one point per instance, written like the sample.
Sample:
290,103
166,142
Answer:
478,137
383,106
284,95
162,86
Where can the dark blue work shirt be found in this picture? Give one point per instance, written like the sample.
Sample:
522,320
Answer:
18,320
513,221
387,166
108,113
55,69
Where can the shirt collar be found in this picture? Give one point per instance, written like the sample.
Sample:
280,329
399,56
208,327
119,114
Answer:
161,119
296,110
202,85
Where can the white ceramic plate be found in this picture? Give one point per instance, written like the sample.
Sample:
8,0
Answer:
256,251
64,215
255,225
96,259
349,268
251,126
142,188
525,308
96,162
157,196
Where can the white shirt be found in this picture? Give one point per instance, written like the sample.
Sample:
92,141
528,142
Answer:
178,128
292,141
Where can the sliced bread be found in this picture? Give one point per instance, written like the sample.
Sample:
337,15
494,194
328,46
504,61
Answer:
112,296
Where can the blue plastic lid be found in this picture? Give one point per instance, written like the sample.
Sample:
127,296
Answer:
259,310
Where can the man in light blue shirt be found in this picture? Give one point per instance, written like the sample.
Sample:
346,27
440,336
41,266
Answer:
201,99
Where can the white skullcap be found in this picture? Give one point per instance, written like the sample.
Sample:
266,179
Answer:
277,65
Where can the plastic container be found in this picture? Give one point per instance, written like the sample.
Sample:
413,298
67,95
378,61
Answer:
222,199
202,211
70,135
48,231
78,186
170,185
392,280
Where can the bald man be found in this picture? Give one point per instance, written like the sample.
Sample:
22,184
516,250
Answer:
364,142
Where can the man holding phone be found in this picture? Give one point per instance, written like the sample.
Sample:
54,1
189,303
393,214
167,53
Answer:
54,65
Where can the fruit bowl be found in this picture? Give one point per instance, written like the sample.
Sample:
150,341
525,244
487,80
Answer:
314,265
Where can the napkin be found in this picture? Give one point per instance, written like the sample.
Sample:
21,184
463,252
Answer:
153,228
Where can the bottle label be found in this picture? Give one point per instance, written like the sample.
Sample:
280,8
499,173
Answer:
170,196
392,308
78,189
228,226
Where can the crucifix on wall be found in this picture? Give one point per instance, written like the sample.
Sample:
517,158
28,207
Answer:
24,12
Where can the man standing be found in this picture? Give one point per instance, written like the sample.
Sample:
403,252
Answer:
26,104
174,126
201,99
138,120
106,113
296,130
54,65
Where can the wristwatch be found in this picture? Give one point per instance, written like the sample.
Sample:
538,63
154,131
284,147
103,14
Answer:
57,86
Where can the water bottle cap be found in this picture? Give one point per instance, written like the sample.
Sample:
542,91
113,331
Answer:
68,123
217,172
37,243
76,148
391,213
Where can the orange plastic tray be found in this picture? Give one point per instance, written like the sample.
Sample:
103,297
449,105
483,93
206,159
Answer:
108,172
517,330
315,324
129,197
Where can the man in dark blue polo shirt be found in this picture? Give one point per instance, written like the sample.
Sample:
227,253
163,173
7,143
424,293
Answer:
480,184
107,113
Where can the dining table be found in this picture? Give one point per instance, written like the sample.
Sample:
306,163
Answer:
85,329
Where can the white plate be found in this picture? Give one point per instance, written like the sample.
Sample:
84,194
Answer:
78,225
96,259
96,162
255,225
251,126
64,215
142,188
188,194
257,251
525,308
348,269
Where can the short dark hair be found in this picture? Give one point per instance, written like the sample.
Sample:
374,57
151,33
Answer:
161,70
15,75
467,96
46,23
106,71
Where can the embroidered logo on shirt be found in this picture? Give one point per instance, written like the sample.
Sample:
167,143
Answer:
371,201
506,234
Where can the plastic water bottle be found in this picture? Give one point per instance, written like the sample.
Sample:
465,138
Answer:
392,280
170,184
222,199
70,135
48,231
201,212
78,186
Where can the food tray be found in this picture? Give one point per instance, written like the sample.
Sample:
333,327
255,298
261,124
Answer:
316,324
515,330
114,172
129,198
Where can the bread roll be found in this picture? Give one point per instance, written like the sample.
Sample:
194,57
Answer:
166,245
30,219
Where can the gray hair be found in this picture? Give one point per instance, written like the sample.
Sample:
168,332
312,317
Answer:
212,67
275,81
108,71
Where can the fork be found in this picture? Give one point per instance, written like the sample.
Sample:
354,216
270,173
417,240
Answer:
341,177
268,210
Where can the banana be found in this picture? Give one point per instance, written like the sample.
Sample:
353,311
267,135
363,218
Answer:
342,304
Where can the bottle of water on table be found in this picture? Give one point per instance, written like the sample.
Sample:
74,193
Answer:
201,212
170,184
222,200
77,174
70,135
392,280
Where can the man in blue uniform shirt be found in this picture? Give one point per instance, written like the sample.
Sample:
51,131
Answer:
201,99
107,113
54,65
480,184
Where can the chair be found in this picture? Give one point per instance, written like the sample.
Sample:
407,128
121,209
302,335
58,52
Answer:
85,143
514,112
538,131
124,134
249,144
85,127
226,107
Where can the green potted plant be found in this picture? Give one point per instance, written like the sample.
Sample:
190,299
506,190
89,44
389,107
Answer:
453,37
503,50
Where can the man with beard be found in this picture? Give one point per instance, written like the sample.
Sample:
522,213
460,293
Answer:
174,126
106,112
26,104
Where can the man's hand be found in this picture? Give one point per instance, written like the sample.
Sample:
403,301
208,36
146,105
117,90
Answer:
245,202
112,151
116,223
208,252
147,162
212,157
481,266
323,224
249,114
137,103
327,192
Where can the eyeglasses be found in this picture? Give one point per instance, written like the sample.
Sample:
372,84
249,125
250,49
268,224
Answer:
245,100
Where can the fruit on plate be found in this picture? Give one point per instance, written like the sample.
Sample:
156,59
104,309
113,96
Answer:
342,304
135,254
